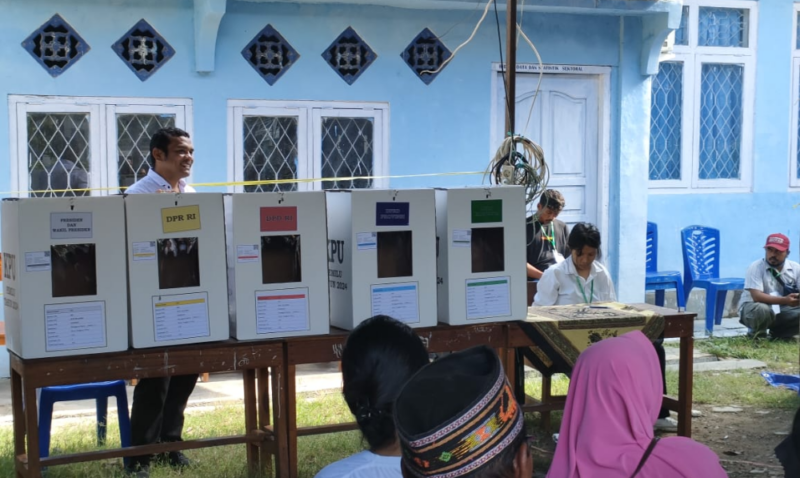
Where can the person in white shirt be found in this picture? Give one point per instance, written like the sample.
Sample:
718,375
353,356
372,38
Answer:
380,355
171,160
157,413
580,279
771,300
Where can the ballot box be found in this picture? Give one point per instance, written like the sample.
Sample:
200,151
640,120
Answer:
481,254
176,269
64,276
382,256
277,264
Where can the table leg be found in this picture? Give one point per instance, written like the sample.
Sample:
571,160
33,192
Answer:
251,418
267,448
291,417
547,383
32,427
280,405
685,378
19,421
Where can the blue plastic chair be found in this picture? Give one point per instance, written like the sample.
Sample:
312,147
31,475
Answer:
99,391
659,281
701,258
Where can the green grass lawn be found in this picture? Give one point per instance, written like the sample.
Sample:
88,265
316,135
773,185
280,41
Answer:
744,388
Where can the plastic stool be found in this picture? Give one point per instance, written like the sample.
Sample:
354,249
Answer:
99,391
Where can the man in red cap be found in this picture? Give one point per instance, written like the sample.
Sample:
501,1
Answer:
771,300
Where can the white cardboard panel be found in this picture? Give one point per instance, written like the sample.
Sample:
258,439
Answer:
262,310
43,316
193,313
358,221
467,297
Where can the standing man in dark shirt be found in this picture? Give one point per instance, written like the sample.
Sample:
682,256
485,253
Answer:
546,235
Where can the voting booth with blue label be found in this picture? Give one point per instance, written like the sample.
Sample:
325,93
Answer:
481,254
64,287
177,269
382,256
277,264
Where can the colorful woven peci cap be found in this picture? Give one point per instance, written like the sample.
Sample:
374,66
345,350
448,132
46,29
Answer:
456,415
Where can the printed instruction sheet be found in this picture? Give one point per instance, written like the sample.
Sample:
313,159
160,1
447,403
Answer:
284,310
488,298
400,301
183,316
75,326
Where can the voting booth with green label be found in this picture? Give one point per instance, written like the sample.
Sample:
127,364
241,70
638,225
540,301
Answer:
277,264
382,256
64,288
177,270
481,254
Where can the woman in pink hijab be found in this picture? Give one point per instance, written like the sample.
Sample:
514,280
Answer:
614,397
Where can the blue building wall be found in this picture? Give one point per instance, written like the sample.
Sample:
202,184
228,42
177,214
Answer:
442,127
745,219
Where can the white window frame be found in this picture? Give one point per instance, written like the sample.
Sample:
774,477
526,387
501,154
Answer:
103,131
794,181
309,147
693,57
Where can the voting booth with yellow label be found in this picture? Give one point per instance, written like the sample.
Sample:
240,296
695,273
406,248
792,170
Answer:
176,269
64,287
481,254
277,264
382,256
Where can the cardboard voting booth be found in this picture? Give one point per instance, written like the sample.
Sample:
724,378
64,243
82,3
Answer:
382,256
176,268
481,254
277,264
64,276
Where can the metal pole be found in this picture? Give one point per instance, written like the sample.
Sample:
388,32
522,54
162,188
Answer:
511,64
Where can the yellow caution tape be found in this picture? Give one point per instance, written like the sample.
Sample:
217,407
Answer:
254,183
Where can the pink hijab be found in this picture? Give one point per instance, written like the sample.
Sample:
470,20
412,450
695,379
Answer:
613,402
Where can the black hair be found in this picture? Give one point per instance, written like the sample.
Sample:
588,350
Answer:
161,139
380,355
552,199
584,234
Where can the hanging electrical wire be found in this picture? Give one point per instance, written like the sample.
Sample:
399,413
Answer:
526,168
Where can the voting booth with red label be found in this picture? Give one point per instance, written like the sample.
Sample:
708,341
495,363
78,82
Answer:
176,267
64,281
277,264
382,256
481,254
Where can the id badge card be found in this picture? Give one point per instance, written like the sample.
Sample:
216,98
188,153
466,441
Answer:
558,257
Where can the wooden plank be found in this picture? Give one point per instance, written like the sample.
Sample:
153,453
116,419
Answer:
323,429
19,419
263,419
151,449
291,415
34,467
144,363
251,419
280,394
685,379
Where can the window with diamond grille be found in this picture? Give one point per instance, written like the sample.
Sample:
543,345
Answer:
347,151
723,27
133,144
682,33
58,154
270,152
722,89
666,122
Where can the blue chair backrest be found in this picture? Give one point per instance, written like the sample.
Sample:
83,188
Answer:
651,258
701,253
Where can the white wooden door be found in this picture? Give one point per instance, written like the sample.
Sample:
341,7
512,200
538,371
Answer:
565,122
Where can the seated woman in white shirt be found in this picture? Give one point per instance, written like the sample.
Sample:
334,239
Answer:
380,355
579,279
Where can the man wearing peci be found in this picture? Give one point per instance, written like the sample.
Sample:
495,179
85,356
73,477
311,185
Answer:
157,413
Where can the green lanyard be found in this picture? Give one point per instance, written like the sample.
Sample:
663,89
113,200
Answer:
583,292
551,238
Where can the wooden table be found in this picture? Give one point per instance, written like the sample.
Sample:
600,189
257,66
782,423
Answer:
328,348
254,359
677,325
